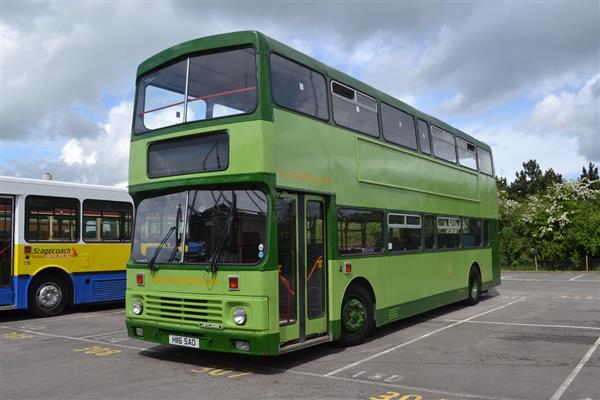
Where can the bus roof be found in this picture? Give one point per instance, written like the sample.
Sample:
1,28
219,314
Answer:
265,45
24,186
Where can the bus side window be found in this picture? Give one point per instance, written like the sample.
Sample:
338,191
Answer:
107,221
424,137
429,232
51,219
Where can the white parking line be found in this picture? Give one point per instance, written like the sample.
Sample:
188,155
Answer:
354,364
74,338
551,280
565,385
592,328
578,276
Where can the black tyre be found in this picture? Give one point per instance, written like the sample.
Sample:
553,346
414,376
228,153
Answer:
357,316
48,296
474,287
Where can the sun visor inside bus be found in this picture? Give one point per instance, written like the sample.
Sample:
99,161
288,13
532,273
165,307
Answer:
202,153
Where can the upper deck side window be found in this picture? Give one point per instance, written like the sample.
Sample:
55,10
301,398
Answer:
353,109
398,127
484,159
298,88
197,88
444,146
466,154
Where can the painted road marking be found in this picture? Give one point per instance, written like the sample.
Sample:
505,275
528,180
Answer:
551,280
99,351
76,338
396,395
380,376
392,385
593,328
228,373
578,276
354,364
104,334
565,385
16,336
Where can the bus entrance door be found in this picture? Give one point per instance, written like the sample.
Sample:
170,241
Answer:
6,250
302,267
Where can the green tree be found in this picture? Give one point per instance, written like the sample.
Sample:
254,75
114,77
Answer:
531,180
591,173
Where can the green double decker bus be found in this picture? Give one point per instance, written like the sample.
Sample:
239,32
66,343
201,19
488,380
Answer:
281,203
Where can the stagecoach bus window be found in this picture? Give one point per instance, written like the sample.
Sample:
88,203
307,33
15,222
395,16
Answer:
443,144
354,110
485,234
466,154
298,88
398,127
360,231
471,232
106,221
448,232
216,85
485,161
404,232
424,137
51,219
429,232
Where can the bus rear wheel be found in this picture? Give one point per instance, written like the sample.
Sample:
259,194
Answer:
357,316
474,287
48,296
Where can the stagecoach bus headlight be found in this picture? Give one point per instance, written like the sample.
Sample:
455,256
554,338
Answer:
239,316
137,307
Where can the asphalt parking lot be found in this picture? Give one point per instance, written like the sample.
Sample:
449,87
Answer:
536,337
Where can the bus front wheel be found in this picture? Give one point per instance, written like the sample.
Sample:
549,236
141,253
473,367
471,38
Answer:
48,296
357,316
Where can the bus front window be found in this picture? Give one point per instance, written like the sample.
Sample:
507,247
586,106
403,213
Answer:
208,214
197,88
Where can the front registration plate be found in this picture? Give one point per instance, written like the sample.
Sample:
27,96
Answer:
184,341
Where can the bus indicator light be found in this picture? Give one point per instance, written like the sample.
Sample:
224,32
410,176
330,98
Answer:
140,279
27,249
348,268
234,282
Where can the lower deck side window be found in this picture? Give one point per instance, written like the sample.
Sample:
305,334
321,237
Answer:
360,231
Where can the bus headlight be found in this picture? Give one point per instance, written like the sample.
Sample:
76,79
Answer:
239,316
137,307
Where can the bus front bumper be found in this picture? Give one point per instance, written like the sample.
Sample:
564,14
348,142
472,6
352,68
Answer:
223,341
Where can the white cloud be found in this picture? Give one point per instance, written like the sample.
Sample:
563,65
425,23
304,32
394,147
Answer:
101,160
575,115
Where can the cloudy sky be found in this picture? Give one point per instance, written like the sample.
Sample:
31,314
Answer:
521,76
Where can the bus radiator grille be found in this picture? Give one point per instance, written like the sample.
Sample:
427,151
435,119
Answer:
189,311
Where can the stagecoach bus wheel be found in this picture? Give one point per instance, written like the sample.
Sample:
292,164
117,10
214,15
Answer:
48,296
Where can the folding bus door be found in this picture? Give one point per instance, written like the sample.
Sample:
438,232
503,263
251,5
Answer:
6,249
301,233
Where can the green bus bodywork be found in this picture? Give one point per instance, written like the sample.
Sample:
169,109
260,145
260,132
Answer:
283,151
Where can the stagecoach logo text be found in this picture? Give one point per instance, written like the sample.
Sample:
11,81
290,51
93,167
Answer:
53,253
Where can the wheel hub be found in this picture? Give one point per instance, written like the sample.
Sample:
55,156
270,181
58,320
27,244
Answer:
48,295
354,315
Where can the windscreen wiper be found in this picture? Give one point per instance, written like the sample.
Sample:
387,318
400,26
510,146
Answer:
214,261
152,262
177,238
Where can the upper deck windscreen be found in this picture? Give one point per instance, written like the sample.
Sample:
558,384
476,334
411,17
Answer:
197,88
